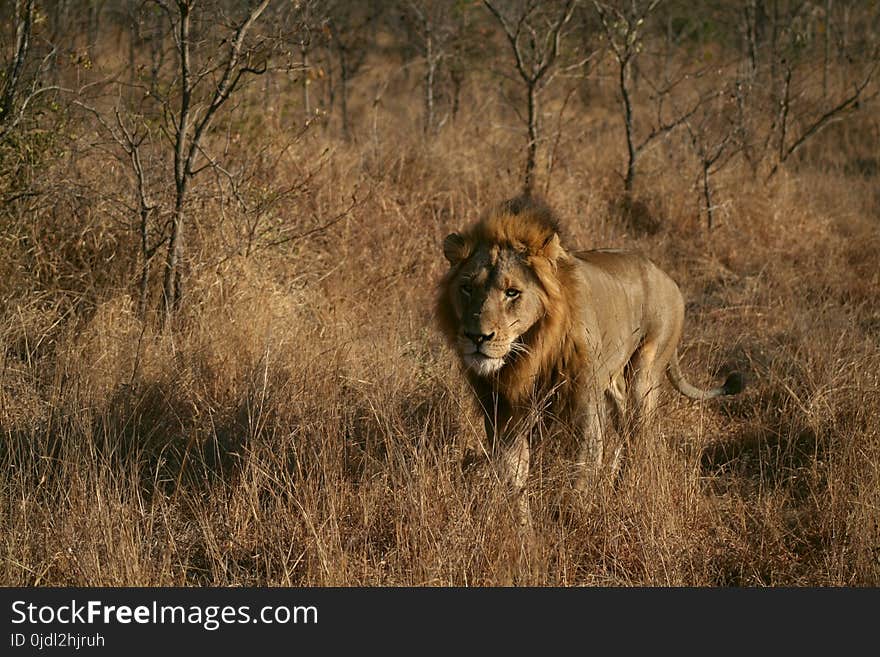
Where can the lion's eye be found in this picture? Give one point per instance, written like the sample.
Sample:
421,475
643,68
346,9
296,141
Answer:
511,293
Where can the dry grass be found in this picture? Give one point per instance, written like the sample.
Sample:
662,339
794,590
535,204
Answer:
303,424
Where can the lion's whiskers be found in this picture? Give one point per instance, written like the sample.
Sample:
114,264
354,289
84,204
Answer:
519,348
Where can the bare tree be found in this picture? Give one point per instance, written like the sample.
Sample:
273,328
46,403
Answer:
754,30
347,24
826,49
198,107
433,27
295,27
23,19
311,16
133,136
787,90
22,82
786,146
427,26
465,49
624,31
712,135
535,51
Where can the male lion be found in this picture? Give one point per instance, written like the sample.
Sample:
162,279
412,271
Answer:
545,333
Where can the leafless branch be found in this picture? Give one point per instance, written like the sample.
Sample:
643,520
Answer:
824,120
533,62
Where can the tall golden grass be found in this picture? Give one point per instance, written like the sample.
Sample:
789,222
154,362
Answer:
302,423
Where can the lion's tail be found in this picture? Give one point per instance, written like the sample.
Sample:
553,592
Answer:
732,385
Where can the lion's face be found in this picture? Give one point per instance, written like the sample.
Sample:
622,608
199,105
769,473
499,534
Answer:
496,298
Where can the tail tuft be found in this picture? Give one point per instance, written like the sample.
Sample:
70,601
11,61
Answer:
734,384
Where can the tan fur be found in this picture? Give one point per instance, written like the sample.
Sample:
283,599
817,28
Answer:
545,333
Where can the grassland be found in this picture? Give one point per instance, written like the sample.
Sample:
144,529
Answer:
301,422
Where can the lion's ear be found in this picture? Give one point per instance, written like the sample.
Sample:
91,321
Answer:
454,248
552,248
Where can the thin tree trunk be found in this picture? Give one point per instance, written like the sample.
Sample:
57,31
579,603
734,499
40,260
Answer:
94,25
783,115
145,265
171,284
132,55
171,287
62,36
307,105
774,44
827,48
750,46
157,54
267,96
707,195
144,210
456,92
331,85
627,124
23,17
844,47
343,93
430,65
532,147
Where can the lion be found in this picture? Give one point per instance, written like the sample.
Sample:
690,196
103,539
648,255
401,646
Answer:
544,333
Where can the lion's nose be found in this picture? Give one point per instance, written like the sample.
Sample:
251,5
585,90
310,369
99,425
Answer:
480,338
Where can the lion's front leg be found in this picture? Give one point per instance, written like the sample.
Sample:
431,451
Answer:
514,463
508,434
588,464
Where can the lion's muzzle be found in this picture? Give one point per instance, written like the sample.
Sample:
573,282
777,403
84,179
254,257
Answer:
479,338
483,353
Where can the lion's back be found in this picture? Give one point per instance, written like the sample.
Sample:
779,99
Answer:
631,271
627,299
